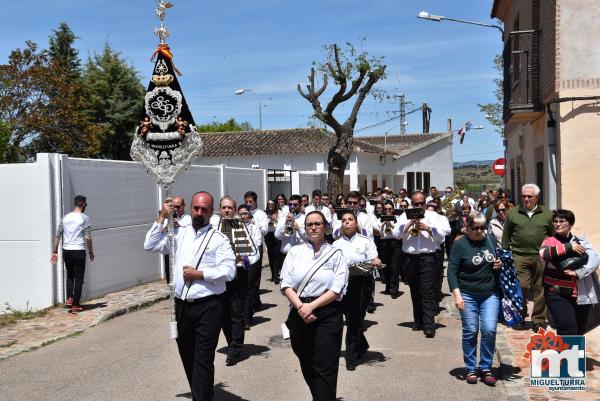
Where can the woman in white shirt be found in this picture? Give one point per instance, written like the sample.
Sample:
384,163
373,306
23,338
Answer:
313,279
356,248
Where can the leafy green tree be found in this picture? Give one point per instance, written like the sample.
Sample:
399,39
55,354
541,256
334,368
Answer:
22,98
62,53
354,73
64,126
227,126
115,98
493,111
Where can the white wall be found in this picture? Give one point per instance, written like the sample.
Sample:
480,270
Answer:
294,162
123,201
26,274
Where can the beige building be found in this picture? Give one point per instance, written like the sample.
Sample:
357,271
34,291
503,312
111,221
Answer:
552,103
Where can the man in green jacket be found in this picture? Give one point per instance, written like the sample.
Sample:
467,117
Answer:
525,228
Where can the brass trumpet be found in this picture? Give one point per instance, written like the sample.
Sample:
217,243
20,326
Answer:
414,231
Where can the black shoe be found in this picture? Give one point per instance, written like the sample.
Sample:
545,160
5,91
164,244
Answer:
230,361
417,327
247,326
371,308
350,366
276,281
395,295
429,333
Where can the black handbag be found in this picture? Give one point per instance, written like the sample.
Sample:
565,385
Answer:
571,261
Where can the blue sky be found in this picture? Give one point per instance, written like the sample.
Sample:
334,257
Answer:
269,46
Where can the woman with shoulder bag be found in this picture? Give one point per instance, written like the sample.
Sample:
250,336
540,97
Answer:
471,278
314,279
570,280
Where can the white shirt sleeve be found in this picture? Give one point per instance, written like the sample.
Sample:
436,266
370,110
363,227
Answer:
156,239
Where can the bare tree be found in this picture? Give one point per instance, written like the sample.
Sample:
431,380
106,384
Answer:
354,74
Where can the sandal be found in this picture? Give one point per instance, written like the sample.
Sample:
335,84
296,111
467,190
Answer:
471,378
488,378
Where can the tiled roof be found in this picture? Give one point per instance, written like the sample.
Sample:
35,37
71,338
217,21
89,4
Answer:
303,141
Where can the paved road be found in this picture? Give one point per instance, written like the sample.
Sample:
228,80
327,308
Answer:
132,358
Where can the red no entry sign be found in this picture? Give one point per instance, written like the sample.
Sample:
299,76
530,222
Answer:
499,166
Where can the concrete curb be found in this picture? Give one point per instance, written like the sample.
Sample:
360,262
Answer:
505,356
152,298
127,309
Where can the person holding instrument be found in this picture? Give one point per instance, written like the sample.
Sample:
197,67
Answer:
314,279
204,262
421,232
386,224
356,248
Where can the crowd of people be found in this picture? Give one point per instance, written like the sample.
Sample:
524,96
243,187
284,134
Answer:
326,255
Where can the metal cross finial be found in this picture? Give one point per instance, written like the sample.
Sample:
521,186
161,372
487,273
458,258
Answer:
161,11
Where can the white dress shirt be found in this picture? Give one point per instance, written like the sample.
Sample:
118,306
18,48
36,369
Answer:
217,263
333,275
381,228
262,222
424,242
356,249
289,240
323,209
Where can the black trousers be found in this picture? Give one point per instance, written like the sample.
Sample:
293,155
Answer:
252,301
439,255
355,304
422,276
75,265
317,346
398,263
199,325
390,272
234,310
568,317
449,240
273,252
254,275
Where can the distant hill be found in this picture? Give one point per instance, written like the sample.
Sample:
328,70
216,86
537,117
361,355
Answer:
473,163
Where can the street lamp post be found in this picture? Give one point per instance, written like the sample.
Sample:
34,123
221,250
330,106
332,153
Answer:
438,18
241,92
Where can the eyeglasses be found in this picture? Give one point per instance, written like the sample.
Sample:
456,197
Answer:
315,224
418,203
559,221
352,202
478,228
503,210
527,196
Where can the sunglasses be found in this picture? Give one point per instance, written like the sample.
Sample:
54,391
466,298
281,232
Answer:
418,203
503,210
315,224
478,228
527,196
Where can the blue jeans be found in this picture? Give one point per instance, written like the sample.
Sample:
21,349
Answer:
479,313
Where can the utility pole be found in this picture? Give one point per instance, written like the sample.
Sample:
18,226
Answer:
402,112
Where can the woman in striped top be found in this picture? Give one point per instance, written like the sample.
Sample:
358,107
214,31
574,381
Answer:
569,293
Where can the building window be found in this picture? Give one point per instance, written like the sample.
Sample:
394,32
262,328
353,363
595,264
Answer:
419,180
539,172
410,182
426,181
